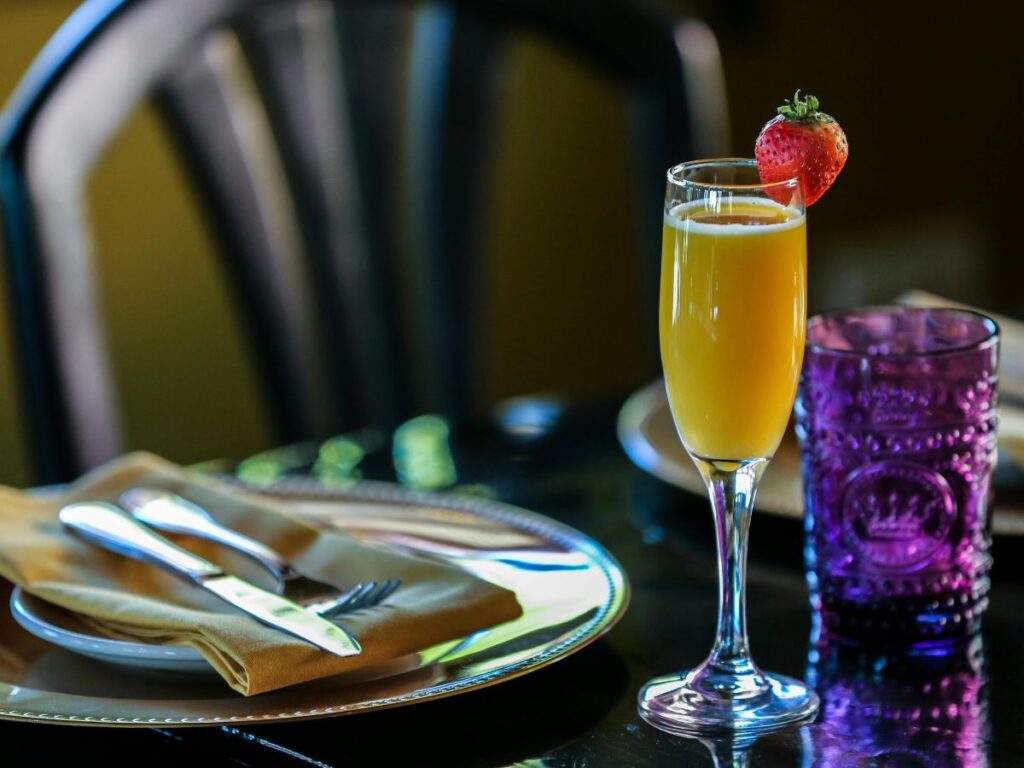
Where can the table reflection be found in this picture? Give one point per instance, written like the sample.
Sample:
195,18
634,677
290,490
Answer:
885,709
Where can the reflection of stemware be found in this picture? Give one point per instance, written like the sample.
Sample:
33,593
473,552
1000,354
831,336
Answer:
899,710
732,307
731,750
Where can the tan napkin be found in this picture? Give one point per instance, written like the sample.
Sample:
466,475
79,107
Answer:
130,600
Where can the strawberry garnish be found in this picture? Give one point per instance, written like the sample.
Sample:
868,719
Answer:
804,142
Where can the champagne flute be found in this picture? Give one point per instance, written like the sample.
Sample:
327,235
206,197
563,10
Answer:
732,322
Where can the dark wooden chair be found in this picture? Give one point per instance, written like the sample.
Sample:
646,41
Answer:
284,110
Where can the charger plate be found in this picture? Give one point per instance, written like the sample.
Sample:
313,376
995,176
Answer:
649,437
572,591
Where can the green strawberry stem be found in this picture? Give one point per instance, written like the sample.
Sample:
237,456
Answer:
803,110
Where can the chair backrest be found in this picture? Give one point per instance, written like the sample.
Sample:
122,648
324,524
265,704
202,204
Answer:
283,109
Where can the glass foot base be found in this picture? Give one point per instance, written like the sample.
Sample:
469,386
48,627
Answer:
702,702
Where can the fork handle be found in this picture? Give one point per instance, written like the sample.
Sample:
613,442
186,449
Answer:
169,512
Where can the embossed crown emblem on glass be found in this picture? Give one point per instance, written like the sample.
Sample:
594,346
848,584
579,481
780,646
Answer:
897,514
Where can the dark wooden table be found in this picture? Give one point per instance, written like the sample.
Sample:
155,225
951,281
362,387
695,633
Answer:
967,709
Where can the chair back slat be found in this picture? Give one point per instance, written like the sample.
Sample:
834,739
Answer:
424,263
455,64
373,46
295,48
220,118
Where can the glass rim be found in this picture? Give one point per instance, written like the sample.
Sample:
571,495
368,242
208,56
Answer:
674,175
990,339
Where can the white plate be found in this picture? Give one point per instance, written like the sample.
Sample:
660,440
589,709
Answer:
55,625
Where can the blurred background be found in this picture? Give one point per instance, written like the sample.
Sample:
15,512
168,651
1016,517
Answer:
931,103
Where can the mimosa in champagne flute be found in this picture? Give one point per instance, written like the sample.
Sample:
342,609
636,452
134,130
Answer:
732,320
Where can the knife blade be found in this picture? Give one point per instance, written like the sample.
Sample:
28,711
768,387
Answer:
111,528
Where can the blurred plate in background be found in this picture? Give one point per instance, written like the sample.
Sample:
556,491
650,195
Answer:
649,437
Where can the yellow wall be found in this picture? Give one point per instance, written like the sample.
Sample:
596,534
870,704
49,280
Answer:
24,28
560,307
563,307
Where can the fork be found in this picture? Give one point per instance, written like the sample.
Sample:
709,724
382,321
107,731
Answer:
358,597
171,513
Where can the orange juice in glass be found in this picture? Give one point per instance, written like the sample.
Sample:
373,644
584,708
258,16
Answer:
733,311
732,317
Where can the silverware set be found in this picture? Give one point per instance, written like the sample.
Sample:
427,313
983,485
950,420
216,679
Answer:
300,605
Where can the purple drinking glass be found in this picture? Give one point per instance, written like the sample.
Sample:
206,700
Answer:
896,416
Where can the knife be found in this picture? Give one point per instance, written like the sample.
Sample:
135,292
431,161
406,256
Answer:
111,528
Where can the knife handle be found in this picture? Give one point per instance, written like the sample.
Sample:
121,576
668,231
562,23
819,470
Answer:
171,513
111,528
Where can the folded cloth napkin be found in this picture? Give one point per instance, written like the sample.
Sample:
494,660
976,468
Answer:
126,599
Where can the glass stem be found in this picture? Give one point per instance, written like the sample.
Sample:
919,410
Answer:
732,486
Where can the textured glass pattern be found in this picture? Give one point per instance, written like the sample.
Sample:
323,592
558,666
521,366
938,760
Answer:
896,415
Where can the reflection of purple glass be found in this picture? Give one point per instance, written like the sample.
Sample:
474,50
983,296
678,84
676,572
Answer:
896,417
899,710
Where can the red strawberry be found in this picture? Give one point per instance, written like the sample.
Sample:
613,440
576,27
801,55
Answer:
803,142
